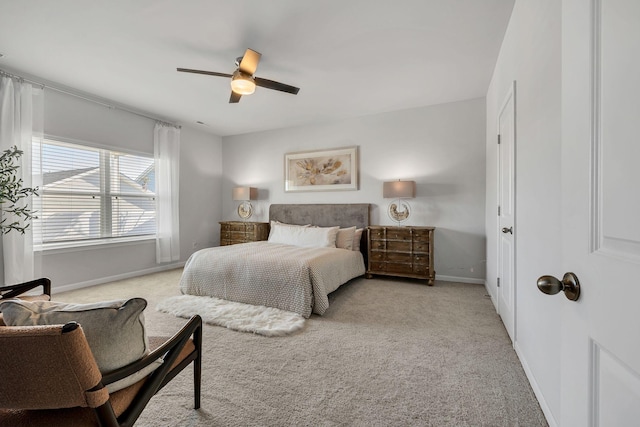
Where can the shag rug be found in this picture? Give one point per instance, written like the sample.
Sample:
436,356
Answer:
267,321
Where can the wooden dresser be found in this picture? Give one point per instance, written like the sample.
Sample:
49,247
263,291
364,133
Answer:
401,251
232,232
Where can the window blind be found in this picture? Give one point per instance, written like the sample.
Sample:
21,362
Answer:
89,193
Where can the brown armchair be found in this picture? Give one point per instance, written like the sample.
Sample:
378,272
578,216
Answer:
48,376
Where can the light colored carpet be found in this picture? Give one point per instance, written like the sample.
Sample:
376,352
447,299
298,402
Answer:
267,321
386,353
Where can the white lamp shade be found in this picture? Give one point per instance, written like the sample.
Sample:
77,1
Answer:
245,193
399,189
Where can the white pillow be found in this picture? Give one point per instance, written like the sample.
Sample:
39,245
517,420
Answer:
284,224
306,237
357,236
344,239
114,329
275,224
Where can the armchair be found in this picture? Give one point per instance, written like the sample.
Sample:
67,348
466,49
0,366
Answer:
49,376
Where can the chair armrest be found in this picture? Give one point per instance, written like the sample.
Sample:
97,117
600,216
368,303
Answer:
12,291
169,351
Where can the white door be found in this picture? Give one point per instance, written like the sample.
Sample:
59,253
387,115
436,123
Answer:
506,213
600,355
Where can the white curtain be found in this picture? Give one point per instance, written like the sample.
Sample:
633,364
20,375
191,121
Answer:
21,122
166,141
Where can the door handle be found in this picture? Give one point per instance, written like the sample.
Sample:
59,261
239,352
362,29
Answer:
569,284
506,230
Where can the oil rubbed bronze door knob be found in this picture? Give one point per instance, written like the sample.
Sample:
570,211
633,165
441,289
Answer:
569,284
506,230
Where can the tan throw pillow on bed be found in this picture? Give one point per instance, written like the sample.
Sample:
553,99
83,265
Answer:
344,239
357,236
114,329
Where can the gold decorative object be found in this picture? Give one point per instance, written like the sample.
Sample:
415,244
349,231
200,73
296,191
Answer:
399,212
245,210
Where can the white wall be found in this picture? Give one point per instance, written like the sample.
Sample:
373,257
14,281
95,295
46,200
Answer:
440,147
530,55
73,118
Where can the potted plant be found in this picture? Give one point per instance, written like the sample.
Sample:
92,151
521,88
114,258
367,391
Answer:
12,192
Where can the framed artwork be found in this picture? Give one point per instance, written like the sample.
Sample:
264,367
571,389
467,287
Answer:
325,170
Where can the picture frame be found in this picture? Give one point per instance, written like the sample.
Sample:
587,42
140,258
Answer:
335,169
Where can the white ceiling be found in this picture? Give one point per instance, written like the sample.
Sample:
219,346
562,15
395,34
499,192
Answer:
349,57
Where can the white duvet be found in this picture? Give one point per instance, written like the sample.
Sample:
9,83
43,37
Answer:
287,277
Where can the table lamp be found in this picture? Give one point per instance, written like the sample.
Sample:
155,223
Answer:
399,210
244,194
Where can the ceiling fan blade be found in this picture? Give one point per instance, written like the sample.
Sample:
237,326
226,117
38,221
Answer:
270,84
249,62
209,73
235,98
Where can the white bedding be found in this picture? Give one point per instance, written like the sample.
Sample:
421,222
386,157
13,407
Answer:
287,277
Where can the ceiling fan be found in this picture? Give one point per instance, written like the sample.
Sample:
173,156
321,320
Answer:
243,82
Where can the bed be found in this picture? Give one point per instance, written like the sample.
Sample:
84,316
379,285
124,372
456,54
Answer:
280,274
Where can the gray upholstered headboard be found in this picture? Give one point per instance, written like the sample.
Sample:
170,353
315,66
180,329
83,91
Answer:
323,215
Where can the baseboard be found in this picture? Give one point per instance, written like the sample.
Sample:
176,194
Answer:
491,296
536,389
459,279
101,280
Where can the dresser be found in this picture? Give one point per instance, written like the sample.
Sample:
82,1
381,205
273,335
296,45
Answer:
232,232
401,251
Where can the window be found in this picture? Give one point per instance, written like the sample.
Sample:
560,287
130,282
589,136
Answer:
88,193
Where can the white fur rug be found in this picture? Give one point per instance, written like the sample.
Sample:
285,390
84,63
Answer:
267,321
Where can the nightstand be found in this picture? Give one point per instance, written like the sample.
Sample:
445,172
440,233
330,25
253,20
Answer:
401,251
232,232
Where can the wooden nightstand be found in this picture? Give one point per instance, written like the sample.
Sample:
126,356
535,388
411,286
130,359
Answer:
232,232
401,251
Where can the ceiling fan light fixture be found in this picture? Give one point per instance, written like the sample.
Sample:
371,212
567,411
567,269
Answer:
243,81
242,84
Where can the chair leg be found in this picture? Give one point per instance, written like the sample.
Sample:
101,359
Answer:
106,416
197,372
197,367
